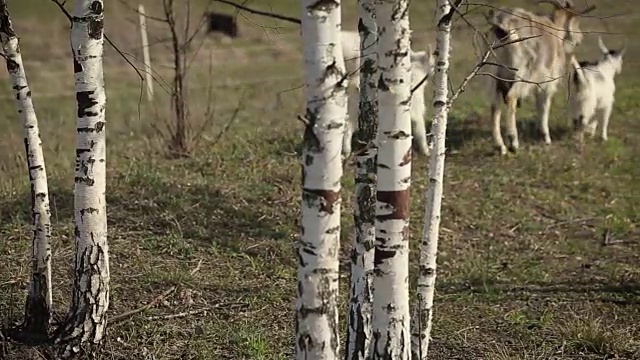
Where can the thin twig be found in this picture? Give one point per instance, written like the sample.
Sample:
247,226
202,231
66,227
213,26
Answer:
150,17
118,318
260,12
179,315
234,116
197,268
70,18
567,222
191,312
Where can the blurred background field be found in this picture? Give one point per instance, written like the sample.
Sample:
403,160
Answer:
523,270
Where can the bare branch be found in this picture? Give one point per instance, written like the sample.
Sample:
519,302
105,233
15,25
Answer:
70,18
150,17
260,12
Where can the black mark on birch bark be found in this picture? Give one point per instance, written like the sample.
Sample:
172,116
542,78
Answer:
427,271
96,24
86,180
380,256
322,5
5,21
358,319
12,65
77,67
85,101
398,135
382,85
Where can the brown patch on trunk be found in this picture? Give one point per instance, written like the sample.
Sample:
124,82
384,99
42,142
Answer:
406,159
399,200
329,198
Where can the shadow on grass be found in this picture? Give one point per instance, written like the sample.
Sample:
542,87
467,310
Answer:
529,129
464,131
622,293
202,214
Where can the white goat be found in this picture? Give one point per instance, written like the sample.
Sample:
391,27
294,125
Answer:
592,89
422,63
532,65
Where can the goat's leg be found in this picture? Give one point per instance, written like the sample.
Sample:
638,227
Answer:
419,131
581,123
543,104
606,114
496,114
592,127
512,129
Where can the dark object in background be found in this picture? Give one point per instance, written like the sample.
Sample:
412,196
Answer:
223,23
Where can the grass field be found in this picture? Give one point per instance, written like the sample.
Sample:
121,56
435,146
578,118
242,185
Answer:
523,270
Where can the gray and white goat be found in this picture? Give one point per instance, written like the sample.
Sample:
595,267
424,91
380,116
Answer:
422,63
534,64
592,89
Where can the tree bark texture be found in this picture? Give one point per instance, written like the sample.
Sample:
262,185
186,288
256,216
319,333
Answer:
391,317
87,317
38,305
361,270
318,249
422,322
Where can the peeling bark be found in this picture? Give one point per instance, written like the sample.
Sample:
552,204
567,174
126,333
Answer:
38,305
391,320
429,246
318,249
362,251
86,320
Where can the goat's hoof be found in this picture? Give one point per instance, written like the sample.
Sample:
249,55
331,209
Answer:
502,150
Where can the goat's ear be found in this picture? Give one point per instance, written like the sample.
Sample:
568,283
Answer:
624,48
603,48
421,57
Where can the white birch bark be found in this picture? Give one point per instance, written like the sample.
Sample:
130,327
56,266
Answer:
316,308
422,320
38,305
391,319
86,320
361,270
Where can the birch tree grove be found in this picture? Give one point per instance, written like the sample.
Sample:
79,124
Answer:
429,245
318,248
38,305
391,319
86,320
362,251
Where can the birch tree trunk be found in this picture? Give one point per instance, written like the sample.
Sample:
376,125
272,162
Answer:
38,305
391,319
429,245
86,320
318,249
362,251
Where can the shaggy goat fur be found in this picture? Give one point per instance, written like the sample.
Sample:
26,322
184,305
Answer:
592,90
422,63
534,65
